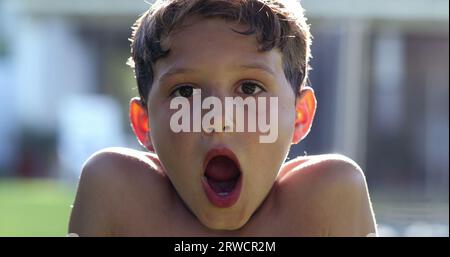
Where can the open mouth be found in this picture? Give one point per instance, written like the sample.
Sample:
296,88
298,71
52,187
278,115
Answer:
222,177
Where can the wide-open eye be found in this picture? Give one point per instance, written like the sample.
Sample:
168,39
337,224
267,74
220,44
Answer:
183,91
249,88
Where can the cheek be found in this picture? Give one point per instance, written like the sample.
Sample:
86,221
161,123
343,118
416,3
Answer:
159,125
286,120
177,152
174,149
265,159
277,151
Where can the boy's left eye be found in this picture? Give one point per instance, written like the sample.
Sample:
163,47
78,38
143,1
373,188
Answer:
249,88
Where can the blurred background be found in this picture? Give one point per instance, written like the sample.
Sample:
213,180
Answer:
380,72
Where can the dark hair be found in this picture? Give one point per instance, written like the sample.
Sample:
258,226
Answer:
276,23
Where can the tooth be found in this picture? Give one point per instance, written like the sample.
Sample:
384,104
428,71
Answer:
223,193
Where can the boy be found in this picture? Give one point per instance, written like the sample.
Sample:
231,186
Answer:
220,182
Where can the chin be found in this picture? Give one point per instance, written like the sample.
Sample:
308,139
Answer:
231,221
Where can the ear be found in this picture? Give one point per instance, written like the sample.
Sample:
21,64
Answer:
140,123
305,107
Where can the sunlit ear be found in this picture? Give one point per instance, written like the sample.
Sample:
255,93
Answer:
305,107
140,123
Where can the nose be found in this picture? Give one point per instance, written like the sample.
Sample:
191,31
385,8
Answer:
226,125
223,121
214,129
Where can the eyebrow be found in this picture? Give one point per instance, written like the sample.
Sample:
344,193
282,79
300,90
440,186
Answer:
257,66
249,66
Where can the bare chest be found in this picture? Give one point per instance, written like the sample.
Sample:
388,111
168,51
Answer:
143,219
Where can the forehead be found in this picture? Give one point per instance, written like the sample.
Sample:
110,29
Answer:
211,44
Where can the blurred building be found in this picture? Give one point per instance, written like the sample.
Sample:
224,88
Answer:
51,53
380,71
381,74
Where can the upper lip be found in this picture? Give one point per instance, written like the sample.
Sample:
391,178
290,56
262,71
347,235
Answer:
220,151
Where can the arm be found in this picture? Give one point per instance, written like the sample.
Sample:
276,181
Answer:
352,213
91,213
328,194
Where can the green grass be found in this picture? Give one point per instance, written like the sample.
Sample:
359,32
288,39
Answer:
34,207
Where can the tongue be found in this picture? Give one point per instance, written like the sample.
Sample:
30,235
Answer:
222,187
222,174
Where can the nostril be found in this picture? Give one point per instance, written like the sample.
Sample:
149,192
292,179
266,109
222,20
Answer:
226,128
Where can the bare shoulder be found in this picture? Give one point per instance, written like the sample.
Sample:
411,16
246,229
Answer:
328,172
335,190
109,178
124,163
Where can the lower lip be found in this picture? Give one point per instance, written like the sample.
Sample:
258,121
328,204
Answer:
222,201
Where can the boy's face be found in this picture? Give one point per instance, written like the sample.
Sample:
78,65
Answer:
211,54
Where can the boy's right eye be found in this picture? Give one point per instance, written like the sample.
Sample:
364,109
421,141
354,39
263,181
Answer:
183,91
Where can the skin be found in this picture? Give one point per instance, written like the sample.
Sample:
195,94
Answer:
308,196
